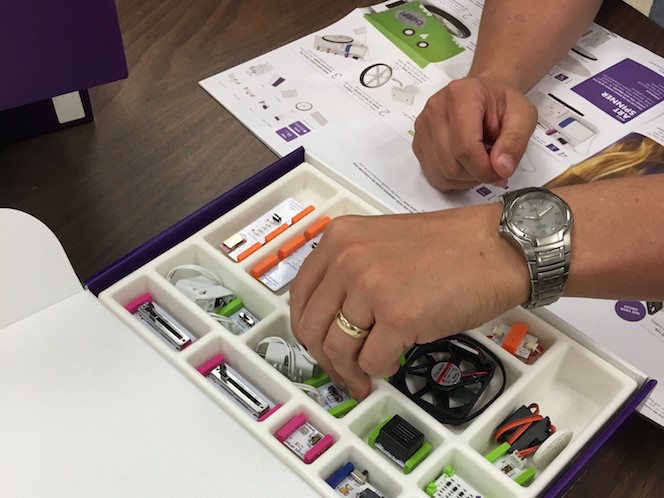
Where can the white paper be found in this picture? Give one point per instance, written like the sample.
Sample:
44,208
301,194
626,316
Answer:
88,408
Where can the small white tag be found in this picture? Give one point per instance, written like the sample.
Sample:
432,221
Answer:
68,107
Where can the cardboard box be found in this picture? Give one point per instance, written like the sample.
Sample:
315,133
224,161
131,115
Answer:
55,49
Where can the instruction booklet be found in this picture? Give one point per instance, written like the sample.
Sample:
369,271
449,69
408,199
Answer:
350,94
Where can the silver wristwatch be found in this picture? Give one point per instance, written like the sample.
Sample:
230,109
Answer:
538,222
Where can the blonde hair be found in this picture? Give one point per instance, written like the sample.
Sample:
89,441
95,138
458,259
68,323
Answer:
632,155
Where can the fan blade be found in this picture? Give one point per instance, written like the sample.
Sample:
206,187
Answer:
456,354
430,359
479,379
419,370
464,395
442,399
424,390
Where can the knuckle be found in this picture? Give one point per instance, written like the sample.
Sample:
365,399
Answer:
369,365
464,151
303,332
332,351
436,179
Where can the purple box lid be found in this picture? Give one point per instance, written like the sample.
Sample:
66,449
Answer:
51,48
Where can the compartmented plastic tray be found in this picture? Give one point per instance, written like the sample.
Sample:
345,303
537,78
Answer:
579,388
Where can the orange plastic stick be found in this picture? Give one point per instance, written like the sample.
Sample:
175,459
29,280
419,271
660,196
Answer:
515,337
264,266
316,228
302,214
248,252
275,232
291,246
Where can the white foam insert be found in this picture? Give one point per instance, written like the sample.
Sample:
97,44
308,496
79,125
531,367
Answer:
577,386
578,389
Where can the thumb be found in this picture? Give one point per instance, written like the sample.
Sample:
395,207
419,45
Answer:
518,124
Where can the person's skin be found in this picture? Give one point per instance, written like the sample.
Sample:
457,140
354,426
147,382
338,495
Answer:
518,42
414,278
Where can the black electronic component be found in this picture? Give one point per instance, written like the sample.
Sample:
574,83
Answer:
400,438
368,493
654,306
449,378
524,429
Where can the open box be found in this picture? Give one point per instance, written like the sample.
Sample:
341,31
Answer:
112,409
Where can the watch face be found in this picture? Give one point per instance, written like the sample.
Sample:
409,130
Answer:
538,214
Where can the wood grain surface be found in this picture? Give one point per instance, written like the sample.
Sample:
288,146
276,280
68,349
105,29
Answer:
161,147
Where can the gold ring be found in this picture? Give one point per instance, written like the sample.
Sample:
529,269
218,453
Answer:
352,330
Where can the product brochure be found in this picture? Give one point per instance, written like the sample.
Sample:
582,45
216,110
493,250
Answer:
350,94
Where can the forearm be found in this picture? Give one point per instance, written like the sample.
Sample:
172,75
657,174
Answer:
520,40
617,238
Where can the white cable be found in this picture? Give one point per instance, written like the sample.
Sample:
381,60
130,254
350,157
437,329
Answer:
307,355
289,349
225,321
311,390
198,269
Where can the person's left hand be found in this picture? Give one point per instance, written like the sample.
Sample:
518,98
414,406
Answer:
409,278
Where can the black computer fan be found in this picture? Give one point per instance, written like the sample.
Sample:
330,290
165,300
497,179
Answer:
449,378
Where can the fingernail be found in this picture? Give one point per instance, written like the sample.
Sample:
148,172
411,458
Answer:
506,163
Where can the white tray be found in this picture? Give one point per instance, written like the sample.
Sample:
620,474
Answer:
578,387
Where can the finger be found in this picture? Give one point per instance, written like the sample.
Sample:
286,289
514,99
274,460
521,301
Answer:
518,124
317,318
439,166
343,351
381,351
444,185
307,280
467,143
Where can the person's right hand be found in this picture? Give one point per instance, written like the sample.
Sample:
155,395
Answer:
475,130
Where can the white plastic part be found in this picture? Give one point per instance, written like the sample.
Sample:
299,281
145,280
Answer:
551,448
203,292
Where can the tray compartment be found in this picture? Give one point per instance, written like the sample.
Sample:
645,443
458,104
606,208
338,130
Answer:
254,298
382,405
577,390
165,298
473,469
378,475
305,185
214,345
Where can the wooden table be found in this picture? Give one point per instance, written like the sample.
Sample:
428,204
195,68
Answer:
161,147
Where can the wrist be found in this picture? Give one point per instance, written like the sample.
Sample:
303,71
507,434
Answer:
506,267
506,79
513,270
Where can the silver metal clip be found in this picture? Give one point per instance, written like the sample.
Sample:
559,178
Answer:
247,318
169,330
239,390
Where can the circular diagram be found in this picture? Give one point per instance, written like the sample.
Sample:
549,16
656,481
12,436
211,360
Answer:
376,75
304,106
451,23
338,39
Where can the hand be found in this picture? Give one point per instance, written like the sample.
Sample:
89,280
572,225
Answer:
460,122
410,279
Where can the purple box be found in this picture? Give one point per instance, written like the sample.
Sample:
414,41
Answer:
52,49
